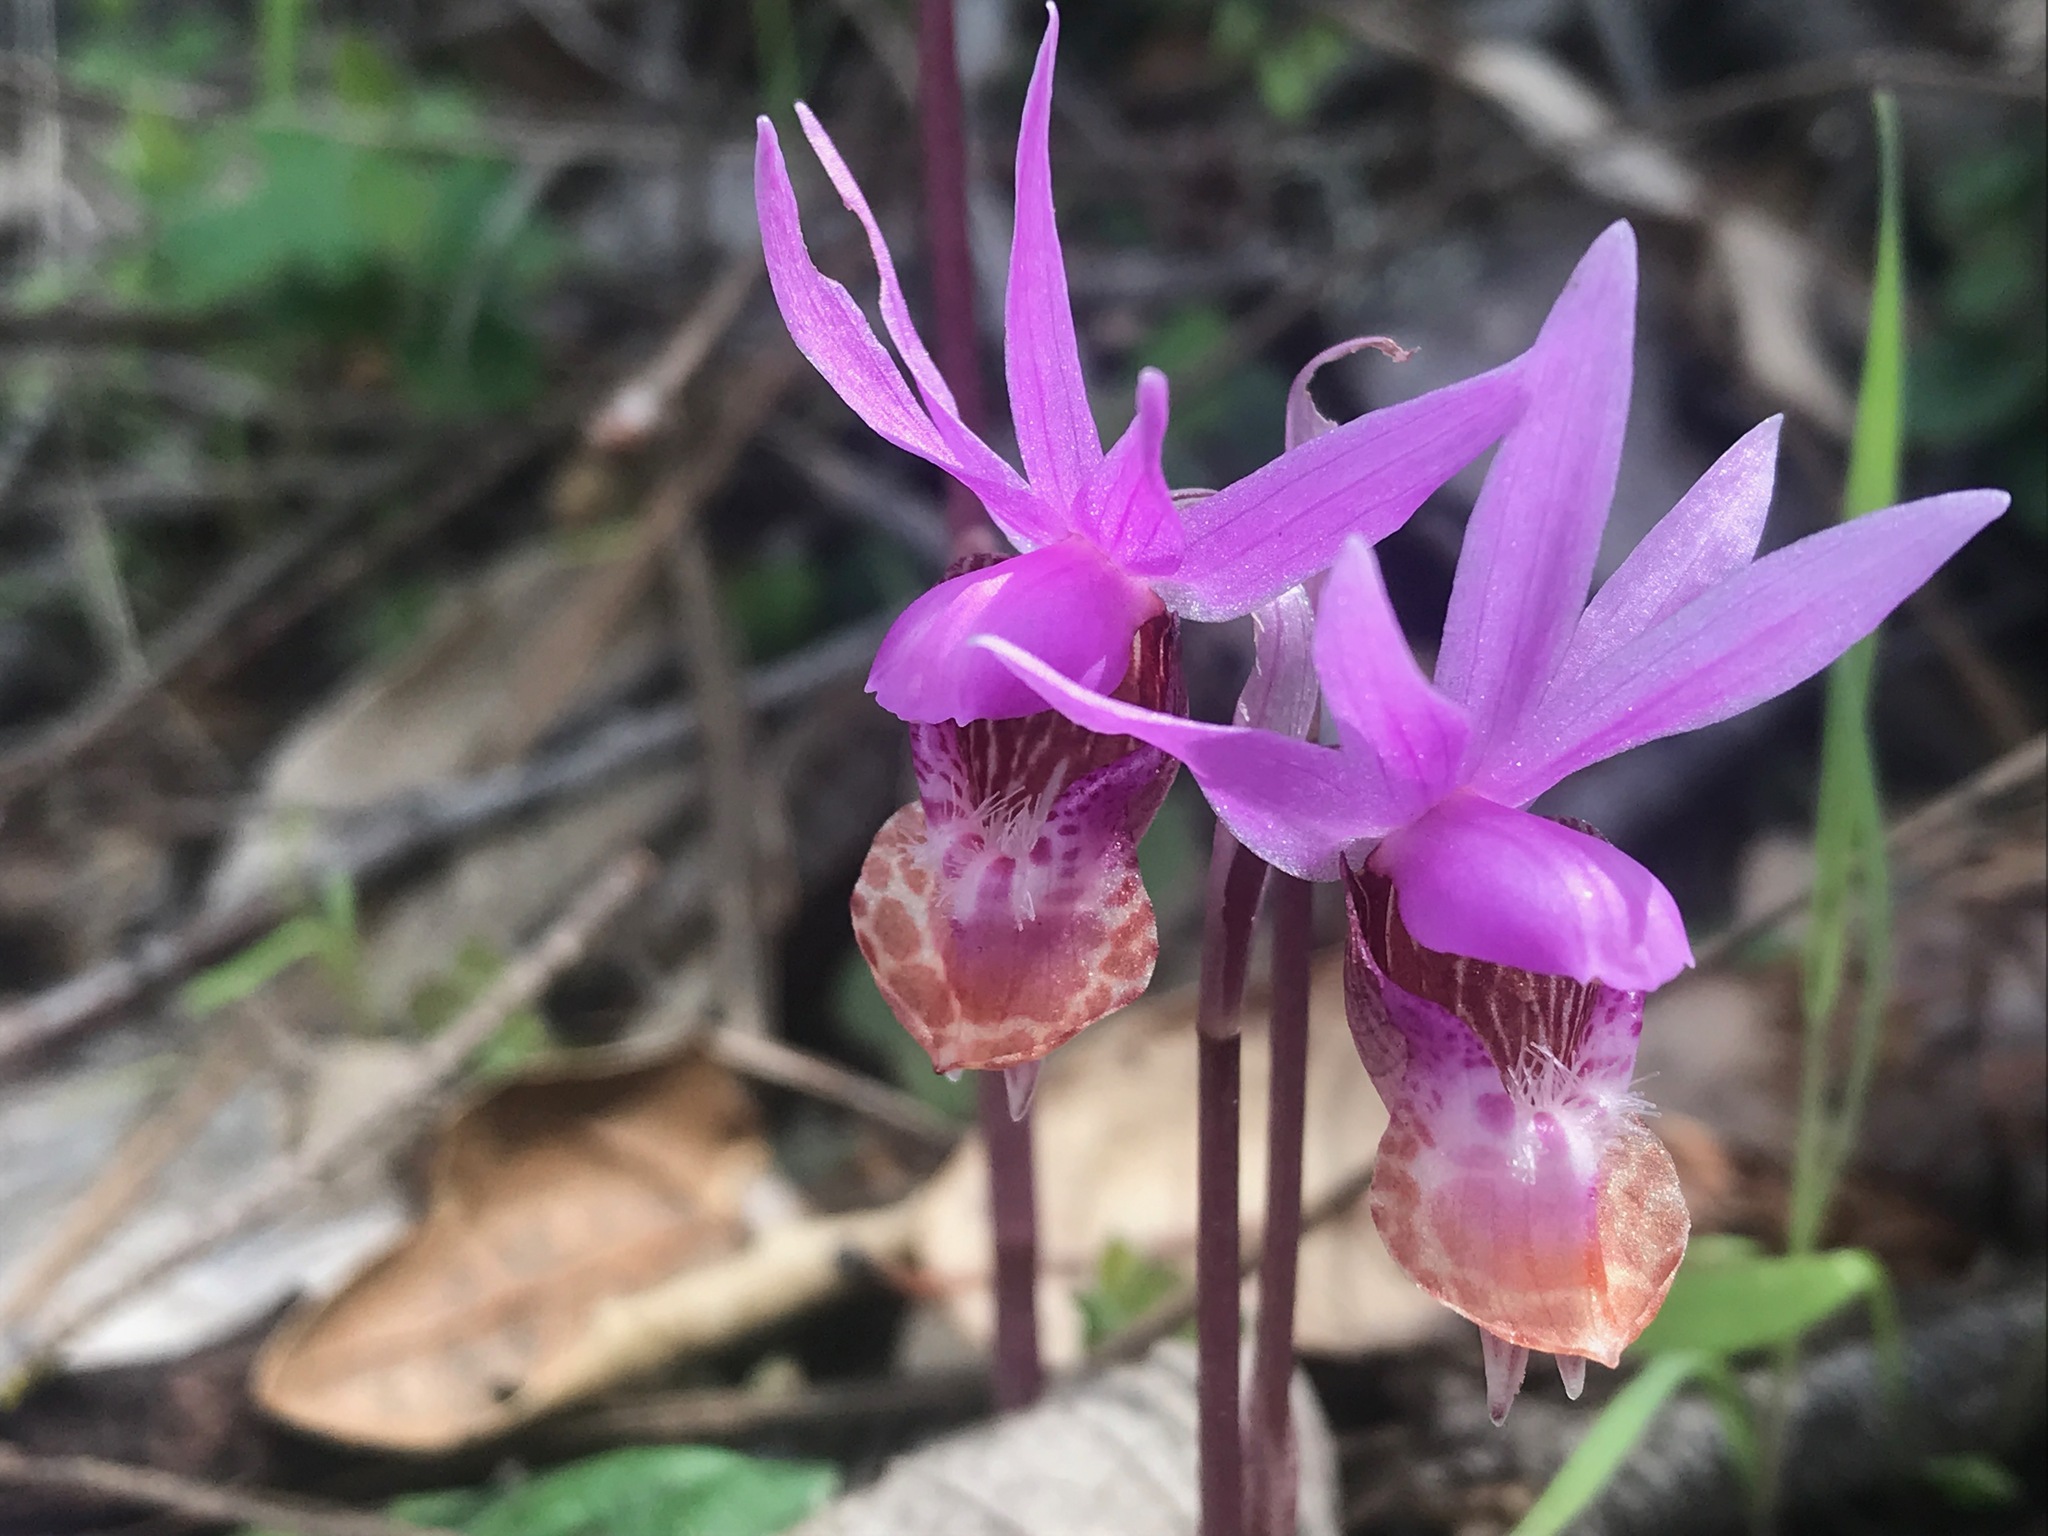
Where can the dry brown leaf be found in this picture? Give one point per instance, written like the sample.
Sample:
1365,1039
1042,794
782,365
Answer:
548,1197
1111,1456
1114,1123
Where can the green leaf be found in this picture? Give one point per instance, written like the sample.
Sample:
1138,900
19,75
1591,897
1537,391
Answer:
1973,1482
682,1490
244,974
1594,1461
1293,73
1852,882
1128,1284
1730,1305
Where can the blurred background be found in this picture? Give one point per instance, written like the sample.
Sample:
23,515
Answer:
410,504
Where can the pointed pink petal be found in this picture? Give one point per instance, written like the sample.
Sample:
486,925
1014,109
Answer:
1535,530
1304,421
1475,878
1000,933
1752,636
830,329
1294,804
1394,725
1712,533
1125,506
1064,602
1048,397
1282,523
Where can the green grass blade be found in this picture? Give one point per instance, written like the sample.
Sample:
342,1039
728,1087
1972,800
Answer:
1852,896
1595,1460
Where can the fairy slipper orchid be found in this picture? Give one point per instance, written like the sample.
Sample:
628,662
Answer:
1499,958
1103,548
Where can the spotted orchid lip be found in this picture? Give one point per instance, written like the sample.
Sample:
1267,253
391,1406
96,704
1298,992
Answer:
1516,1183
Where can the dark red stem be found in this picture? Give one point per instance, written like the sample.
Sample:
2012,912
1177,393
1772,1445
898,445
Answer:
1235,879
1272,1470
1013,1221
942,135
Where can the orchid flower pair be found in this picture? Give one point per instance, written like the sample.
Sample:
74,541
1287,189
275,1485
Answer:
1498,959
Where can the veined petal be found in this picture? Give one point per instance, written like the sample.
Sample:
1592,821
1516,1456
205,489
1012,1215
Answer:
1712,533
1064,602
1750,637
1282,692
830,329
1296,805
1282,523
1480,879
1393,724
1126,507
1529,548
1041,361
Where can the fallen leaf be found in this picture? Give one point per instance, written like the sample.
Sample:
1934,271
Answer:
1114,1123
548,1196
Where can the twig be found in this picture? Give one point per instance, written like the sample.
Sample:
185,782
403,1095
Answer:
373,1125
2020,768
190,1499
727,1413
1168,1317
638,406
1820,78
377,837
875,497
707,655
773,1061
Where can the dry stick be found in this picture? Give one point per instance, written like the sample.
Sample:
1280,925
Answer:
1271,1467
773,1061
640,405
441,1062
379,836
190,1499
707,655
733,1413
1236,878
1170,1316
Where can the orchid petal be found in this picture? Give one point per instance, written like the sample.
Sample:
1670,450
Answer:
1041,361
1535,530
1064,602
1749,638
1304,421
1480,879
1296,805
830,330
1711,534
1282,692
1255,538
1399,730
1126,507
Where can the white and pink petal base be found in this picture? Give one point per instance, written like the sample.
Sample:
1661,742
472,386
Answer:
1516,1182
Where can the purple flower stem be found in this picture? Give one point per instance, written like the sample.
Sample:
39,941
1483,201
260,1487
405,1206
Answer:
1013,1212
1235,880
942,136
1271,1470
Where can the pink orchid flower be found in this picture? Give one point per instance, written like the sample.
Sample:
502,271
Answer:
1499,959
1104,549
1002,911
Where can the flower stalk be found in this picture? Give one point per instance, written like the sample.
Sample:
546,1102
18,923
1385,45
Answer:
1271,1467
1019,1373
1236,878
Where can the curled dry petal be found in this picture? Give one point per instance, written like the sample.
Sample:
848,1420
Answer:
1003,912
1516,1182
